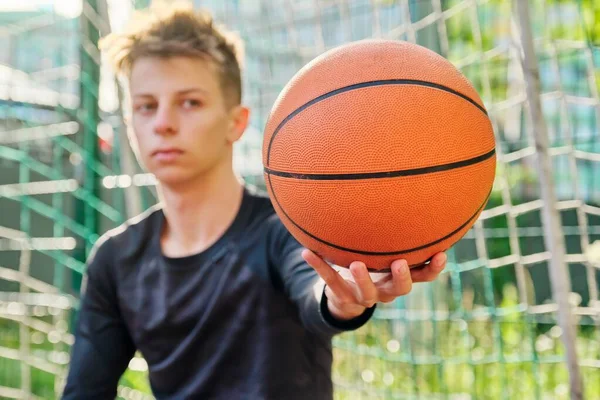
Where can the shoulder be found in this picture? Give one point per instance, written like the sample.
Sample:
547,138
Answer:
259,201
280,241
128,237
263,213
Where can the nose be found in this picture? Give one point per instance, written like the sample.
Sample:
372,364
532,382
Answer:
166,121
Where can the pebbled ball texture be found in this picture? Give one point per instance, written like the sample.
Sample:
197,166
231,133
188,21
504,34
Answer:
379,150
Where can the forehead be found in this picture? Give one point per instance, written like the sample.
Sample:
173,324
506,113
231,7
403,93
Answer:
161,75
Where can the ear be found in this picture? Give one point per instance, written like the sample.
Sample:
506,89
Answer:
239,117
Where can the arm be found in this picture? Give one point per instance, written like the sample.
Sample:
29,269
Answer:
305,288
103,347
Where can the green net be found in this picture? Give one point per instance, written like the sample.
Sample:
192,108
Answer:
486,329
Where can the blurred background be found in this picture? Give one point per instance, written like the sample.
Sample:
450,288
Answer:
488,328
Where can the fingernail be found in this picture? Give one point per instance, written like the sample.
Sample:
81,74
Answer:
362,268
443,259
402,267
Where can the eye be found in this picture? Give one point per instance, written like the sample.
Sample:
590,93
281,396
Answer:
191,103
145,107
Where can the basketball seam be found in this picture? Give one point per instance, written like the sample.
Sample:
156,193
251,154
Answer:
384,174
377,253
364,85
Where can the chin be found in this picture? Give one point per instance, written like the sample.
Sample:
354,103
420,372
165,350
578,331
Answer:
173,177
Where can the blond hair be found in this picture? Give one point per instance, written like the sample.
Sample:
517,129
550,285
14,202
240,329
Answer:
171,30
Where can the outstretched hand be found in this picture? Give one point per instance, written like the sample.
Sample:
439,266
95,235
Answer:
348,299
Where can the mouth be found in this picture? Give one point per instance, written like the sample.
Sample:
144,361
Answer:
167,154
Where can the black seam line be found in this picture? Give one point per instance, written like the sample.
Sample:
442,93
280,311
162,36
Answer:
387,174
379,253
363,85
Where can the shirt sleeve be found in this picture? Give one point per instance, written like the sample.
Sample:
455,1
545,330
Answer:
103,346
305,287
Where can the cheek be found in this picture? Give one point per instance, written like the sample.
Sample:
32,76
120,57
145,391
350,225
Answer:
140,145
141,131
208,131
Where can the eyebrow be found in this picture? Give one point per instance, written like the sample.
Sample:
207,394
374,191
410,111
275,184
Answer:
180,92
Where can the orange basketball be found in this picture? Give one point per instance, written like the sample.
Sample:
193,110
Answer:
379,150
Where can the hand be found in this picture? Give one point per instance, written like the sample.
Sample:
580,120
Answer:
347,299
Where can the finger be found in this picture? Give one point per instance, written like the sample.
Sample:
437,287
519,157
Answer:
401,283
337,285
430,271
367,291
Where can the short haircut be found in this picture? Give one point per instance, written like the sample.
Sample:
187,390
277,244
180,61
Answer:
169,30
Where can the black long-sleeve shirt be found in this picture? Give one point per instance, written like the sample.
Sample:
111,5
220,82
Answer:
241,320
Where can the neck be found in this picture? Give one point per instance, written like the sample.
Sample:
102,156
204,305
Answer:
198,213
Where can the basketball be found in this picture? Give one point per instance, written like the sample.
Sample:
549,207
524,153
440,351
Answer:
379,150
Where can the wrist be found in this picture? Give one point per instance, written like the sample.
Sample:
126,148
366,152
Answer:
348,313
